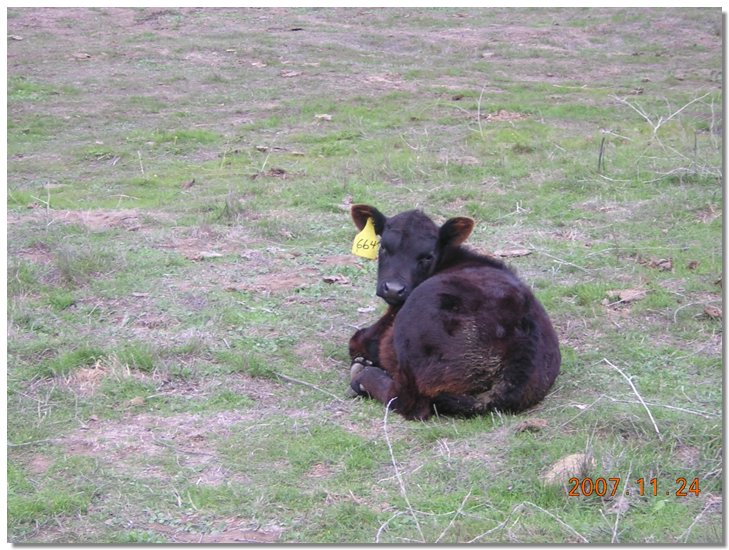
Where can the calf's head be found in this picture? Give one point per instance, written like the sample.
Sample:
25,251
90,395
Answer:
411,247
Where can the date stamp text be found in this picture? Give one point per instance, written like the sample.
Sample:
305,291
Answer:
600,486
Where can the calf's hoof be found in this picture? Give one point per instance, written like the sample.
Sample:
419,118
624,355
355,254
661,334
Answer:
358,363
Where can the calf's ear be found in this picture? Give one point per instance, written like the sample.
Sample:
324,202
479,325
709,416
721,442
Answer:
361,213
455,231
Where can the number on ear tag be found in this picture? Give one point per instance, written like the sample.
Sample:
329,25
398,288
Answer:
366,243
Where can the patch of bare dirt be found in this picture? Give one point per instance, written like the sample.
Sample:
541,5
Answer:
531,425
688,455
709,214
320,470
617,211
39,253
473,449
340,260
503,115
39,464
93,220
102,220
235,531
277,282
205,243
188,436
85,381
386,81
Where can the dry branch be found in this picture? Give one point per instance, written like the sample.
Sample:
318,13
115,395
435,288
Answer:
640,398
455,515
297,381
660,121
397,471
520,507
617,516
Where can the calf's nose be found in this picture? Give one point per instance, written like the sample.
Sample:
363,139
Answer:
393,291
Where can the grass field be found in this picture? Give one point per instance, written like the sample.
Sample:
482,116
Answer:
181,292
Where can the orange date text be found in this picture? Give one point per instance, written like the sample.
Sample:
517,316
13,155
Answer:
600,486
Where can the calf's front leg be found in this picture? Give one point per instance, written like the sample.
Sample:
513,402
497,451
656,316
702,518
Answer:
365,343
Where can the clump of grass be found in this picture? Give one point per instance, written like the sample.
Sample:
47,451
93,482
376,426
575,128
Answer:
77,265
122,389
150,104
139,356
136,536
231,210
249,363
225,400
67,362
61,299
21,88
22,277
35,499
50,501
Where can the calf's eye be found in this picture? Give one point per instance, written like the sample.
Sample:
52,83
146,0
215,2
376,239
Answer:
425,259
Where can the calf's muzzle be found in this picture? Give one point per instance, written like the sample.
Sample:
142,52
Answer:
392,292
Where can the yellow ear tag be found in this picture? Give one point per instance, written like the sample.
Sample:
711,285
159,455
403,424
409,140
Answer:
366,243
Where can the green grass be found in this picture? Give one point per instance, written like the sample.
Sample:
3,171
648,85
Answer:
65,363
181,293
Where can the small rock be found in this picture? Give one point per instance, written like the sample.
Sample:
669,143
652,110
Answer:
338,279
627,295
531,425
574,465
620,505
663,264
713,312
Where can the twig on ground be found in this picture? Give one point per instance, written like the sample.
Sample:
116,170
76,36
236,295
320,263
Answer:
297,381
687,532
680,409
36,442
384,525
660,121
560,521
675,313
499,526
457,513
702,414
397,471
47,202
614,538
478,111
558,260
177,449
583,411
518,508
601,156
640,398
